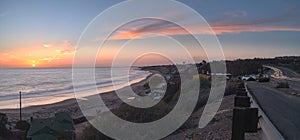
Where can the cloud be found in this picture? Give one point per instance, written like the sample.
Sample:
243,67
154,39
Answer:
142,28
55,54
46,45
60,50
66,51
48,59
145,26
235,14
221,29
167,28
63,48
67,43
66,48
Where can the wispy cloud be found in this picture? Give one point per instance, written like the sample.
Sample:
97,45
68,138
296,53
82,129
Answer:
61,50
220,26
235,14
65,48
139,31
46,45
47,59
221,29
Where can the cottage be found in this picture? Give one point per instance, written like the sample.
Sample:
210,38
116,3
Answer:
59,127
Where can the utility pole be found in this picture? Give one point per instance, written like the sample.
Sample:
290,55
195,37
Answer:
20,106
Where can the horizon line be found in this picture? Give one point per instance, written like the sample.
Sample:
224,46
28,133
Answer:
56,67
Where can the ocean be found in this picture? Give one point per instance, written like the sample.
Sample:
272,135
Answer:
49,85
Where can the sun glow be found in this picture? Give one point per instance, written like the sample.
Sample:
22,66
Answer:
33,55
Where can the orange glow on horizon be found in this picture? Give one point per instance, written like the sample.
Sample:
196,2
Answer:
38,55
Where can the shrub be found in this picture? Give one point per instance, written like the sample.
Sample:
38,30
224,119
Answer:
239,83
91,133
282,85
263,79
3,131
204,83
231,89
22,125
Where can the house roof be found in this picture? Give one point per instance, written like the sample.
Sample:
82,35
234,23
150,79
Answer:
62,122
43,137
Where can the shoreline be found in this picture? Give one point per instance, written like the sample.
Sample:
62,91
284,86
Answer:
38,89
136,81
69,105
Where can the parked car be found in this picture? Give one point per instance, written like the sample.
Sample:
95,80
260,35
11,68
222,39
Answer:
249,78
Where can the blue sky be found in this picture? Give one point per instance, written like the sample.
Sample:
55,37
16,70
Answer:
246,29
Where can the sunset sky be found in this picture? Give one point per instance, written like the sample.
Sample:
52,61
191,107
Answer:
36,33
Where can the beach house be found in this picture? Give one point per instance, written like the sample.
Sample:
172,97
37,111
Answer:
59,127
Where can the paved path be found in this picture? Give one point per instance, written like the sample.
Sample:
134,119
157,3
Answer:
281,108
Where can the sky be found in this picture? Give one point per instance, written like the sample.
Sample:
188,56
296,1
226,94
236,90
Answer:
36,33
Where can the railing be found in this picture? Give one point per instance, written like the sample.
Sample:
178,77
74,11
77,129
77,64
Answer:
269,131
